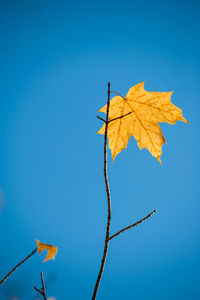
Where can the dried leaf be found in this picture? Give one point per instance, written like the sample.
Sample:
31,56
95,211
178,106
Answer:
52,250
147,110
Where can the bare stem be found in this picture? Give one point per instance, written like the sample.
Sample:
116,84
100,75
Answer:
42,291
43,286
108,202
101,119
107,237
38,290
133,225
109,121
17,266
120,117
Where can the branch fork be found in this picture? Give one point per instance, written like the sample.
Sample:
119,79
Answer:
133,225
109,121
42,290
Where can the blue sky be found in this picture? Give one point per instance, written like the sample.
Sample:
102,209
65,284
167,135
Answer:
56,58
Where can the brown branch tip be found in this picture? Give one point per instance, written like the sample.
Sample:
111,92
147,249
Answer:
42,290
134,224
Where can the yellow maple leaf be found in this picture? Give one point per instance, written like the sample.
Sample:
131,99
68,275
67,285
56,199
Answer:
147,110
52,250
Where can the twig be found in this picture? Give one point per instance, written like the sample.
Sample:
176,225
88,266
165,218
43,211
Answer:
109,121
107,237
38,290
120,117
42,290
43,286
101,119
17,266
133,225
108,202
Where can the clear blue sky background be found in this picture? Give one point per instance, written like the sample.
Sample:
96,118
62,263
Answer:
56,58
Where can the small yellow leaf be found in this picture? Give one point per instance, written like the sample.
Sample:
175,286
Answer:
147,110
52,250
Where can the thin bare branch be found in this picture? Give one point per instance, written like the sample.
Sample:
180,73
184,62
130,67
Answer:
42,290
38,290
133,225
101,119
108,202
17,266
120,117
43,286
107,237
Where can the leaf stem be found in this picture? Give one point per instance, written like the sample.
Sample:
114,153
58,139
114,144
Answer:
17,266
108,202
117,94
133,225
